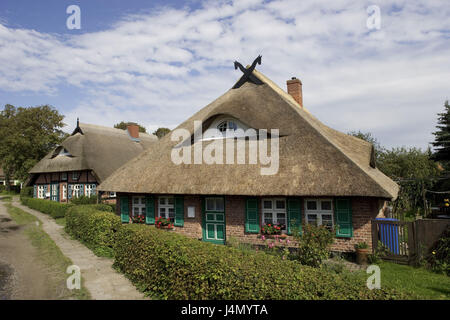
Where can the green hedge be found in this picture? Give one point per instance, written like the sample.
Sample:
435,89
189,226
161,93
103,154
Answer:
27,192
171,266
93,227
54,209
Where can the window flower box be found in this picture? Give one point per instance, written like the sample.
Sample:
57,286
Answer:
272,229
163,223
138,219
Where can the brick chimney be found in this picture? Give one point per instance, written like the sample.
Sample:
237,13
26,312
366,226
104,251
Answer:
294,88
133,130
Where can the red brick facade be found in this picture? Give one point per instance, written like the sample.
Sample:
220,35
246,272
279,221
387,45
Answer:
363,210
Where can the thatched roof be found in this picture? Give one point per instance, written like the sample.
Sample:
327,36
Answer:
315,160
97,148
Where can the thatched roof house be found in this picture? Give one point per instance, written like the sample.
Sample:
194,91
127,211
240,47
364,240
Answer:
314,159
322,177
90,154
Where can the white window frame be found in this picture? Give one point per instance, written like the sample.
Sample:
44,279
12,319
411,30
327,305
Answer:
274,211
215,204
89,189
75,176
64,176
77,190
319,211
64,191
164,208
40,191
140,205
112,194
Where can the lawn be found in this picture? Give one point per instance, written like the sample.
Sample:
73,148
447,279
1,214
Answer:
50,253
417,281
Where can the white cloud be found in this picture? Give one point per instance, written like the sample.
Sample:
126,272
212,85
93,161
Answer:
159,68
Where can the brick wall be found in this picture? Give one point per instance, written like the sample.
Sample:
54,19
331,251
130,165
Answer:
363,210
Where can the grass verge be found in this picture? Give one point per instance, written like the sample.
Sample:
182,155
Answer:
49,253
420,282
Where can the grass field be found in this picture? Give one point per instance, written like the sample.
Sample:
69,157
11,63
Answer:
419,281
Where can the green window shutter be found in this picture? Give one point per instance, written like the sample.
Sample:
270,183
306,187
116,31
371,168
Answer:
343,218
149,210
294,215
34,191
124,209
251,216
179,211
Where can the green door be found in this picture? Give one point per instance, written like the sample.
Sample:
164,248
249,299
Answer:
214,220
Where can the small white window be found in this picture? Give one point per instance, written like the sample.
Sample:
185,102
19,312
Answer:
74,175
319,212
64,191
41,194
166,208
138,206
90,189
64,176
215,204
78,190
274,212
227,125
112,194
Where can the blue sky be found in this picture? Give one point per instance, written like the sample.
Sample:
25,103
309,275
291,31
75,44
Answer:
157,62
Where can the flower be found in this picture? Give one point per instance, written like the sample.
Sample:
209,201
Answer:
263,238
434,252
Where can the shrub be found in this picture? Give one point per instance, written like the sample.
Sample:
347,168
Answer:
361,245
54,209
93,227
440,254
27,192
313,244
2,187
171,266
84,200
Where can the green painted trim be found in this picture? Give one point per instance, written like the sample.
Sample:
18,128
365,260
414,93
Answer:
204,212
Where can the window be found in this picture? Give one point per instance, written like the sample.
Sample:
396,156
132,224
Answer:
112,194
78,190
274,212
166,208
74,175
215,204
41,192
138,206
64,191
227,125
64,176
90,190
319,212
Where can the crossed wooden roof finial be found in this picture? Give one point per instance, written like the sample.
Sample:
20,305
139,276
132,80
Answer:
248,73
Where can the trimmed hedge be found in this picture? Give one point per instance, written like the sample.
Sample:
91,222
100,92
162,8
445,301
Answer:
172,266
54,209
27,192
93,227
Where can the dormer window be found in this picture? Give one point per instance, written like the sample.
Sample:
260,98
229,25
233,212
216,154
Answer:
227,125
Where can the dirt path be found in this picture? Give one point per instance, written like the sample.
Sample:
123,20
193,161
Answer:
102,281
22,274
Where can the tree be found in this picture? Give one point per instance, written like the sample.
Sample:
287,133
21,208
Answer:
123,125
414,170
442,138
161,132
27,135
